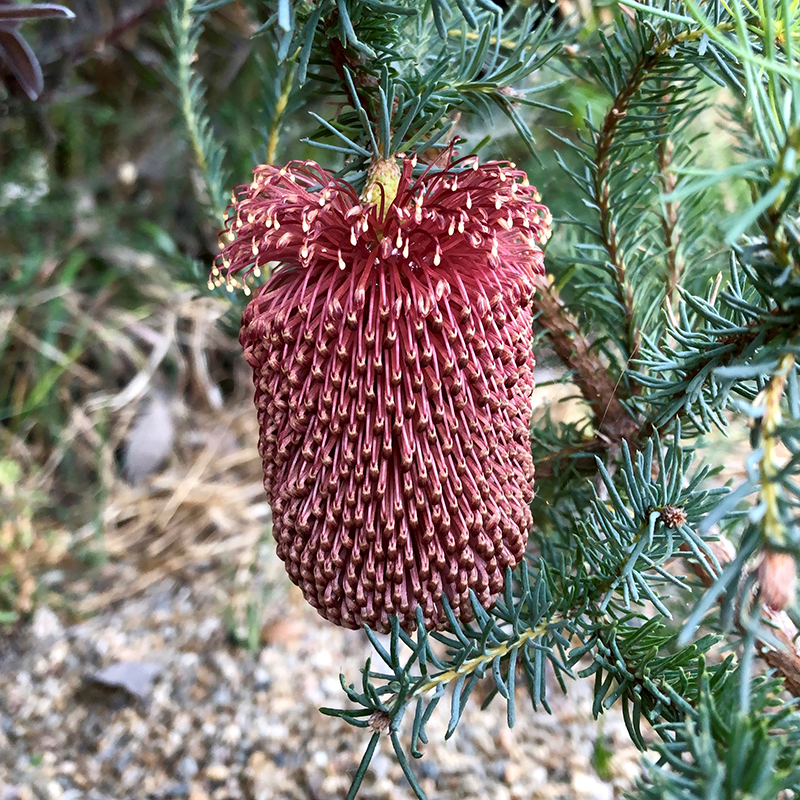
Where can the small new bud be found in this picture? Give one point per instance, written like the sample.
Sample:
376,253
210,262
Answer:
673,516
383,174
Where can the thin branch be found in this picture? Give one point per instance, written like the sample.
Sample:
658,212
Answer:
472,664
602,191
772,222
602,178
123,26
546,467
743,340
277,119
769,495
669,222
612,419
198,127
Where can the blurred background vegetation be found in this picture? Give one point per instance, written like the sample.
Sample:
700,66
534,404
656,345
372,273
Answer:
117,363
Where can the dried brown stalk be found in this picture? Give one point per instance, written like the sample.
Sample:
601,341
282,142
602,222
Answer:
669,222
612,421
785,661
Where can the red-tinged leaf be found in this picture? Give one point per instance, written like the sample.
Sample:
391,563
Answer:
17,13
22,61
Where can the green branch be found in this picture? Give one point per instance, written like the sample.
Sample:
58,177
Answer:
185,28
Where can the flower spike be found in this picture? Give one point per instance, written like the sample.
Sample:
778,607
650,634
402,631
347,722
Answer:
392,362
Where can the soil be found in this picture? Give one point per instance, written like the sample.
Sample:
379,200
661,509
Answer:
151,697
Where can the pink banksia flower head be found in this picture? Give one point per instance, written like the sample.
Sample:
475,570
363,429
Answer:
392,362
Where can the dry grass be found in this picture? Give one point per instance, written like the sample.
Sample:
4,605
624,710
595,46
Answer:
206,505
162,492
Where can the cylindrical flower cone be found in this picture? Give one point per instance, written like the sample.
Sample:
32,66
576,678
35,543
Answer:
391,355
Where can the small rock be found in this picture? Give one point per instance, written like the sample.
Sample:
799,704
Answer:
260,679
217,773
134,677
626,764
149,440
46,626
380,766
187,768
257,761
513,772
232,734
54,790
591,787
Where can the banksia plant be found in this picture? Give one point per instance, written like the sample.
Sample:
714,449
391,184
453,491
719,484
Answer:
395,297
392,357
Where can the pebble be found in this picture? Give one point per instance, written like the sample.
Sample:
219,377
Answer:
54,790
232,734
220,724
590,787
46,626
187,767
217,773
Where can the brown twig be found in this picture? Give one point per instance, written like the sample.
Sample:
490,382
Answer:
120,28
546,468
83,50
602,191
612,420
669,221
341,59
785,661
603,163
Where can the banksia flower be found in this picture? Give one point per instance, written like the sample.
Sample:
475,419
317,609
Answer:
391,352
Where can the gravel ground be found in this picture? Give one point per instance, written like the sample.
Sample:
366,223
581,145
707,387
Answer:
202,718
